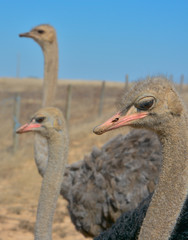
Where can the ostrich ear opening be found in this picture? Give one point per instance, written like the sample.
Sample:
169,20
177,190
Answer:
175,105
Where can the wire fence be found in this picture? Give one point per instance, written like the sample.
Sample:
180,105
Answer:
79,103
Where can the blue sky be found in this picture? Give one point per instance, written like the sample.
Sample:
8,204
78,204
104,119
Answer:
98,39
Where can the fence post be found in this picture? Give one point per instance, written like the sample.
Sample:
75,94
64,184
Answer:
16,116
181,83
126,82
68,103
101,101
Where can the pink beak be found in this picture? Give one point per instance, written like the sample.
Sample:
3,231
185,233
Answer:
118,121
28,127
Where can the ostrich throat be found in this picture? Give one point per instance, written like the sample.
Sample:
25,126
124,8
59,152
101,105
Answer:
52,179
50,73
172,189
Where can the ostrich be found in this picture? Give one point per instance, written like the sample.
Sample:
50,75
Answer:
154,104
105,171
45,36
49,123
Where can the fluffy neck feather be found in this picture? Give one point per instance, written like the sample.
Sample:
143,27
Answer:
50,72
57,152
41,153
171,190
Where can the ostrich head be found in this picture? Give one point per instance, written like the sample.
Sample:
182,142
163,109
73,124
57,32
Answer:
43,34
46,122
150,104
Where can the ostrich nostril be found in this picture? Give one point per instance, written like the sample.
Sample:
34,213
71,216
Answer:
115,120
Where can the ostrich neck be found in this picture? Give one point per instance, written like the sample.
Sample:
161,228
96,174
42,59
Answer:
171,191
41,153
50,73
58,151
49,88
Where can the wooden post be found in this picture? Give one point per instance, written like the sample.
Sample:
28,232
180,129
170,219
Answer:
68,103
126,82
181,83
16,116
101,101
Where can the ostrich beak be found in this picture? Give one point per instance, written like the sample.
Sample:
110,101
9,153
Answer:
118,120
28,127
27,34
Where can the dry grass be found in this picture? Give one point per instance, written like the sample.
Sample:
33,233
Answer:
20,181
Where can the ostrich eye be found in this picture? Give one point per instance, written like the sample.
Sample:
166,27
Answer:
145,103
39,119
41,31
